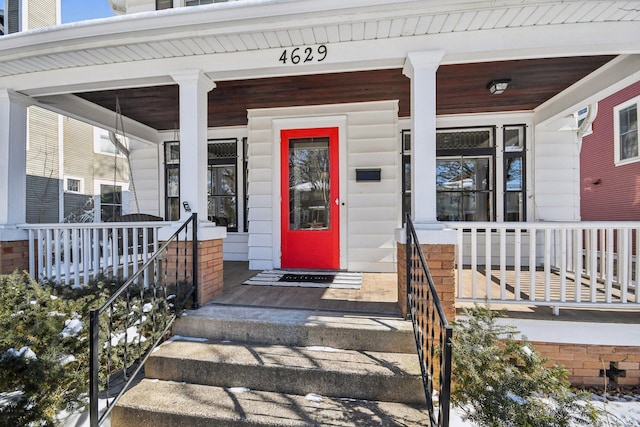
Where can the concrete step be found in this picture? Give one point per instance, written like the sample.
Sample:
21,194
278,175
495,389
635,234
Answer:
392,377
300,328
169,404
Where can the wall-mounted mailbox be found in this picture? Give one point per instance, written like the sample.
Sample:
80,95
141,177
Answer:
368,175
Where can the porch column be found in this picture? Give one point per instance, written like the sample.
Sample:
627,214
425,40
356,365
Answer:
421,68
437,244
14,250
194,86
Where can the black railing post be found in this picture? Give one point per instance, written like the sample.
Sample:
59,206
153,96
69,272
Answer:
194,272
94,335
445,382
408,254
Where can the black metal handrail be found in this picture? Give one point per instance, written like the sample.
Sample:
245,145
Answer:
431,330
126,329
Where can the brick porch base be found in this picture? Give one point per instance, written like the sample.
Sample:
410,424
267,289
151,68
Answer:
14,256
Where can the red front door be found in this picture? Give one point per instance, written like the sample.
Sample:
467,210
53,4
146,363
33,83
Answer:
310,223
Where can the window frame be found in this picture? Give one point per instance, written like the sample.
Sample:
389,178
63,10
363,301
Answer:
171,165
117,189
470,153
616,130
500,155
174,164
226,161
513,154
405,158
80,180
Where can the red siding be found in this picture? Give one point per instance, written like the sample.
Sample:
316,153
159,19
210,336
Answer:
617,196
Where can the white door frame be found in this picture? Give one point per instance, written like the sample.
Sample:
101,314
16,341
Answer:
339,121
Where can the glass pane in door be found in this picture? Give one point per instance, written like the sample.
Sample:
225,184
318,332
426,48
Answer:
309,184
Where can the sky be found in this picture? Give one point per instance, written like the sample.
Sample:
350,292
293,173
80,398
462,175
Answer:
79,10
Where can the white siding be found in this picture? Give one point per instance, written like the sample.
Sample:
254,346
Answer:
557,176
146,178
235,247
373,209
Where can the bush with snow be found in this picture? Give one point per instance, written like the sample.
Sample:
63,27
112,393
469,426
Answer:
44,349
500,380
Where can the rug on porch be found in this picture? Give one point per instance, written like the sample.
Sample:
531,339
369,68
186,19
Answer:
309,279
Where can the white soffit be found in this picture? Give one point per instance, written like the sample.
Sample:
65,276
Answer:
227,37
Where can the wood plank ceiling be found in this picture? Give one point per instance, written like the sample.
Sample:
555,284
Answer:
461,89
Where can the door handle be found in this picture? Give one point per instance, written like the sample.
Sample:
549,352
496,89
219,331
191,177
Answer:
337,202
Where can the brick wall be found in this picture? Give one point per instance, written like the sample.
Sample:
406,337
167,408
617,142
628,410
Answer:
14,256
585,362
440,259
210,267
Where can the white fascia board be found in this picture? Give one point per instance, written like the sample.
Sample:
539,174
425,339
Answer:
218,18
609,79
87,112
230,18
463,47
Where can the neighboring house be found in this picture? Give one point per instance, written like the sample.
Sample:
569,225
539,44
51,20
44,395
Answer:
610,160
72,167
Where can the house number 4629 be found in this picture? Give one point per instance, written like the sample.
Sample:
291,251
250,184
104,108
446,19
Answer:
300,55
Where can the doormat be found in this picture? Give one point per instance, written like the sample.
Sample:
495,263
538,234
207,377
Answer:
308,279
317,278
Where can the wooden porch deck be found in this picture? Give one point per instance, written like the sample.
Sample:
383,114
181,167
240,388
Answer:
379,295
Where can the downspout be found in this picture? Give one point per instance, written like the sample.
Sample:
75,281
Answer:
61,182
585,127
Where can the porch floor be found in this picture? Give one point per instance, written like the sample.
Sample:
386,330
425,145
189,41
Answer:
379,295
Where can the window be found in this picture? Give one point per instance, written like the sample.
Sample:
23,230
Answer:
172,180
221,182
466,178
406,174
200,2
465,189
164,4
626,132
245,181
102,143
13,14
73,185
514,173
110,202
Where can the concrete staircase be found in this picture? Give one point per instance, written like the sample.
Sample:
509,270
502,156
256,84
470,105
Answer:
241,366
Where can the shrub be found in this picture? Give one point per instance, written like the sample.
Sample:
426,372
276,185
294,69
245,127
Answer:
44,349
501,381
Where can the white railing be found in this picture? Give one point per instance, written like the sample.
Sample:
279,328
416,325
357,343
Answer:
590,264
79,252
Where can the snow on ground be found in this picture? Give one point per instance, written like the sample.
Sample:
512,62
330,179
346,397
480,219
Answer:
617,413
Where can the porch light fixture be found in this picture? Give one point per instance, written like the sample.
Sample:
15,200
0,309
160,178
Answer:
497,87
